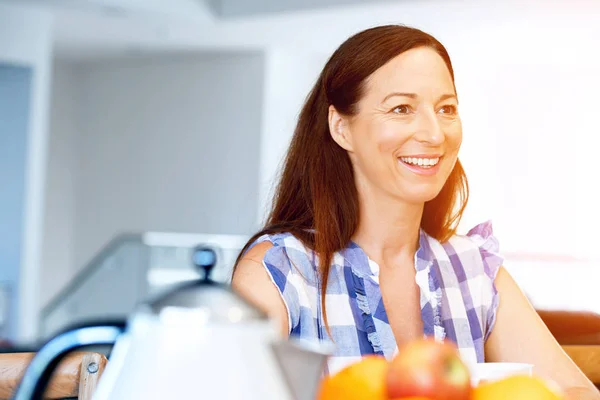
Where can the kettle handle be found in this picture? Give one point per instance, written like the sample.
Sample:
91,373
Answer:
38,373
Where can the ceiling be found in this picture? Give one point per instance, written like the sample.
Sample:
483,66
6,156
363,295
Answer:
95,28
237,8
88,29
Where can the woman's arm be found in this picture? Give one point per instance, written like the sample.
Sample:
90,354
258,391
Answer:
253,283
519,335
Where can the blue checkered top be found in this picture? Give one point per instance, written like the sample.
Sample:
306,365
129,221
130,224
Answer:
457,294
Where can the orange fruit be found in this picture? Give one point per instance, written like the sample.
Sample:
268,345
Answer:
363,380
520,387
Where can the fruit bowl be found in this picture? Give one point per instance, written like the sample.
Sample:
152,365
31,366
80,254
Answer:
430,370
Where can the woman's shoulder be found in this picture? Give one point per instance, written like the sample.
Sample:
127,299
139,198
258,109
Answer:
475,253
281,239
281,251
482,237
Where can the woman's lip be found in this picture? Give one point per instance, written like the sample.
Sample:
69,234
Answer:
420,170
423,156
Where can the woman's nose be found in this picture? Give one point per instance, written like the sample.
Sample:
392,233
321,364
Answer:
429,130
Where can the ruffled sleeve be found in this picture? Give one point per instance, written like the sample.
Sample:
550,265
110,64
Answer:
483,236
282,268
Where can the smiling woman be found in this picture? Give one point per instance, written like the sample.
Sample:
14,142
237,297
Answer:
361,247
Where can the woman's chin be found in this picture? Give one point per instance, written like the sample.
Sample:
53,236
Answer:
420,195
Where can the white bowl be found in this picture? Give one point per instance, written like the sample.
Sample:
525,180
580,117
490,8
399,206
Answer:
495,371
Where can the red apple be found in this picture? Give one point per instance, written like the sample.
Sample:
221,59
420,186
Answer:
430,369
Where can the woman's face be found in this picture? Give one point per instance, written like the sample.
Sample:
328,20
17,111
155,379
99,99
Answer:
405,137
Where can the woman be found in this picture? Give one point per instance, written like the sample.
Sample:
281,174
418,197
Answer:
361,245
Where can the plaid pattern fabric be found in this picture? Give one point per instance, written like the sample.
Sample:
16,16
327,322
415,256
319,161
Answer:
458,298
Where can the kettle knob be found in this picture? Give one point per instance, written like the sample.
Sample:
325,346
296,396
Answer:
205,259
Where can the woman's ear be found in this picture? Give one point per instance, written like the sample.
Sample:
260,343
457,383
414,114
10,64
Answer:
339,130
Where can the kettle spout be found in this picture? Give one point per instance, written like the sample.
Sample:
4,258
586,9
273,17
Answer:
302,365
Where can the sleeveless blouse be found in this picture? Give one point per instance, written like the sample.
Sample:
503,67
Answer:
458,298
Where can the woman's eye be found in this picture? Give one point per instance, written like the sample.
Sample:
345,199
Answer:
448,110
403,109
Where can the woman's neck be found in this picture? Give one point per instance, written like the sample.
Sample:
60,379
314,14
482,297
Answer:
388,229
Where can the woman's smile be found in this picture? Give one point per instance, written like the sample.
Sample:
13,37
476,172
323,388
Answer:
426,165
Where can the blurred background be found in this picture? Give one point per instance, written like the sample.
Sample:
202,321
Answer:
133,130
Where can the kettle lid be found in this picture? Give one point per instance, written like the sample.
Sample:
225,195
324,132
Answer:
217,301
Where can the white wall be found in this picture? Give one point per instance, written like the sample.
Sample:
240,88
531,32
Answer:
60,185
528,107
289,76
162,144
26,39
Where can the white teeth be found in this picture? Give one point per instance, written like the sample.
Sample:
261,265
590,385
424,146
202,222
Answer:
422,162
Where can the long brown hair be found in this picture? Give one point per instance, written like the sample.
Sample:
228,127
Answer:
316,199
